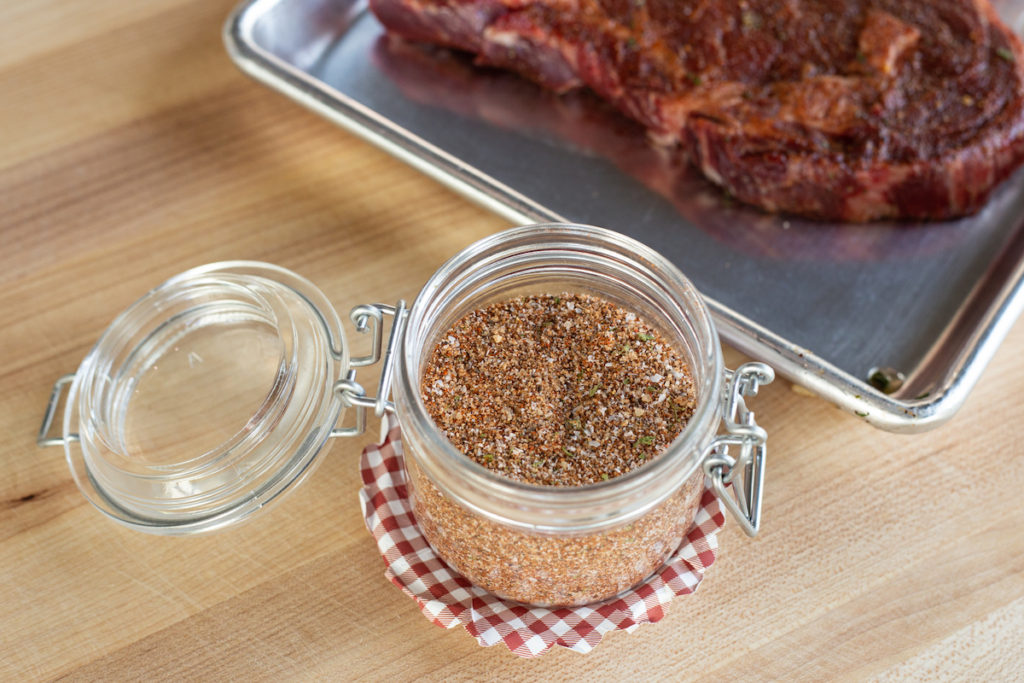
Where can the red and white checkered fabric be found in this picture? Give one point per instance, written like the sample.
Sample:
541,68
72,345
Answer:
447,599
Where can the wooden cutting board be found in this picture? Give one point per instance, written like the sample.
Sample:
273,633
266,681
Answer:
133,149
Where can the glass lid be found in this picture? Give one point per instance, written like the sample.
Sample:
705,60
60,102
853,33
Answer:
206,399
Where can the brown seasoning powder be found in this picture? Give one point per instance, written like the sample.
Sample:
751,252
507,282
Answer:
560,391
557,390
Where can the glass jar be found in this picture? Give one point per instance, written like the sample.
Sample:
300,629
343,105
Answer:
217,391
548,545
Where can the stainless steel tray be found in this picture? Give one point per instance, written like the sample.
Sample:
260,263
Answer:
822,303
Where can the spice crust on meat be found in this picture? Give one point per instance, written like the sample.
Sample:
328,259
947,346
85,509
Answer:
849,110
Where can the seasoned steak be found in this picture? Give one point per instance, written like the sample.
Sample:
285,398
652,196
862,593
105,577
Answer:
848,110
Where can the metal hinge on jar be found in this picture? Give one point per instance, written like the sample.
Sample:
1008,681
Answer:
745,472
369,318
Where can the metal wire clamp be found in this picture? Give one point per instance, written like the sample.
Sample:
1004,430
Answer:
745,472
369,319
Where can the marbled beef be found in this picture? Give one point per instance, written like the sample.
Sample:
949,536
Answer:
847,110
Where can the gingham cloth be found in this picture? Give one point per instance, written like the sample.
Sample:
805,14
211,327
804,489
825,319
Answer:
448,599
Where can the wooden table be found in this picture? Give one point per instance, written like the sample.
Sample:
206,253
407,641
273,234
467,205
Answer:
133,149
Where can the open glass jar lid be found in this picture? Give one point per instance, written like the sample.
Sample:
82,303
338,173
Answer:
206,399
214,393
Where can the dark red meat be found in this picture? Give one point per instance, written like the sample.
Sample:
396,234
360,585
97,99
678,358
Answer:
849,110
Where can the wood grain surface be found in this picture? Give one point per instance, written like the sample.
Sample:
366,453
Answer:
133,149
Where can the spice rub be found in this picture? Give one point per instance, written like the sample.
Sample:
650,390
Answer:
553,570
558,390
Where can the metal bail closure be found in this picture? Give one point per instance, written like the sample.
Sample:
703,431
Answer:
369,319
746,471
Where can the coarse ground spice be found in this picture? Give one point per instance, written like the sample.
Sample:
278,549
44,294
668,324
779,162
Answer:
557,390
560,391
546,569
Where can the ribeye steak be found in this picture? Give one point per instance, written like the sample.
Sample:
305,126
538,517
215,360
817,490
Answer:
848,110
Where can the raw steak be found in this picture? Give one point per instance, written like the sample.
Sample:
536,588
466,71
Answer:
848,110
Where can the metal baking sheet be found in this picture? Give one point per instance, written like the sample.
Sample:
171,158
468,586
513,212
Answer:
823,303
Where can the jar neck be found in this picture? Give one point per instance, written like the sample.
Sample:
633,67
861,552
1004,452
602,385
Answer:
554,259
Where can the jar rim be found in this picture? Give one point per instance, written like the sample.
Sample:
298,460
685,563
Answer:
673,465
